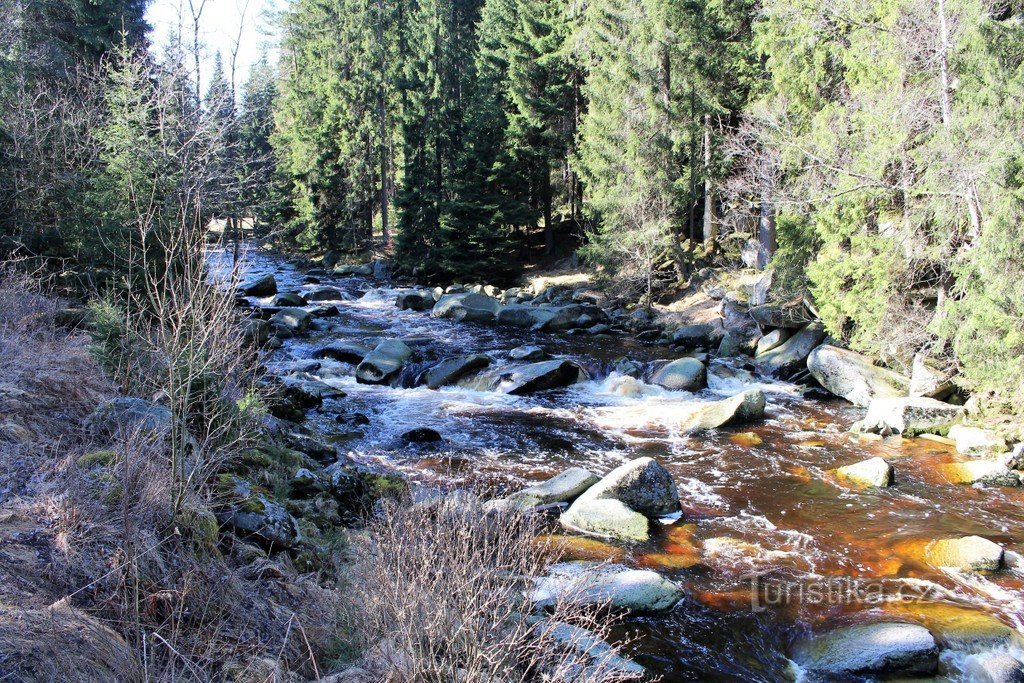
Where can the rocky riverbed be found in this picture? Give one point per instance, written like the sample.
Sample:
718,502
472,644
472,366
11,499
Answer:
756,529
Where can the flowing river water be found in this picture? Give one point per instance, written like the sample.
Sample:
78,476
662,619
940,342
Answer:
758,499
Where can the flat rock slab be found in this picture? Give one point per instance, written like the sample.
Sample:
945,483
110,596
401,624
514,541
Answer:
562,488
909,416
449,371
606,517
855,377
869,649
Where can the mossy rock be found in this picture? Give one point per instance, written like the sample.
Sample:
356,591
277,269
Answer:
97,459
200,527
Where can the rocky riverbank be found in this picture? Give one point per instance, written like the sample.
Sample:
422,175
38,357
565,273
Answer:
746,344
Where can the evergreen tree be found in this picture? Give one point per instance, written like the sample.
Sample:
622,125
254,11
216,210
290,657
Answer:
436,84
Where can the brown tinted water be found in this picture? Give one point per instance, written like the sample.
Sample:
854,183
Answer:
770,545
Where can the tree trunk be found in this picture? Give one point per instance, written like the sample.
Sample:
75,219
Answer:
710,226
766,224
549,234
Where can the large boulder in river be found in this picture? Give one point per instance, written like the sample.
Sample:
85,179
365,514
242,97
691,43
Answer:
743,407
699,336
289,299
527,379
642,484
449,371
683,374
527,352
787,358
622,502
969,553
856,378
292,320
415,300
466,307
383,362
262,286
615,586
575,316
346,352
909,416
520,315
873,472
868,650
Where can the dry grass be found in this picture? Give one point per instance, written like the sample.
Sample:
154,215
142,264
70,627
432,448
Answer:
438,595
99,578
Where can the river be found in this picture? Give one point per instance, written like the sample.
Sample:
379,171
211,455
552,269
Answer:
821,552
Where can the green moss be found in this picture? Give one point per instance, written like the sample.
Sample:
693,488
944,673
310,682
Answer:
97,459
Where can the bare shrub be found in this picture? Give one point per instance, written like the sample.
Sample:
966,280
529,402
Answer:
438,594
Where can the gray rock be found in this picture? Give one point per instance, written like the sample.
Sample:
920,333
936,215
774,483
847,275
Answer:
734,344
358,269
874,472
970,553
744,407
603,659
293,320
519,315
255,331
562,488
527,353
976,441
701,336
983,472
344,352
325,294
772,340
415,300
383,362
606,517
683,374
466,307
790,356
928,381
855,377
253,514
792,315
125,415
526,379
573,316
642,484
449,371
289,299
613,585
909,416
620,504
262,286
869,649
